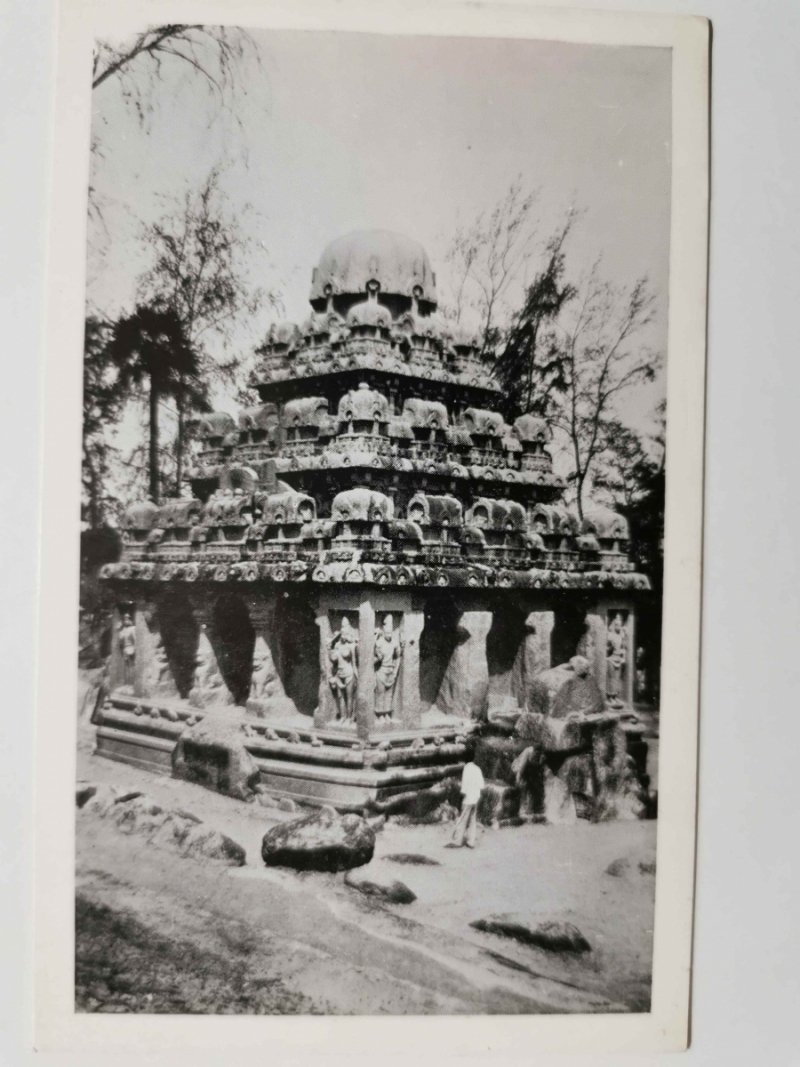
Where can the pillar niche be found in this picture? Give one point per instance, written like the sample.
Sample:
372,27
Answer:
122,669
267,694
534,654
208,688
464,690
154,677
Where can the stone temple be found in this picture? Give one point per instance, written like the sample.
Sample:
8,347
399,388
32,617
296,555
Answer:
374,572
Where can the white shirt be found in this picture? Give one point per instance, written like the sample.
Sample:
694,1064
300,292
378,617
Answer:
471,783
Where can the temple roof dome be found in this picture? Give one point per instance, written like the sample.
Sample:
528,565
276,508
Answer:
397,263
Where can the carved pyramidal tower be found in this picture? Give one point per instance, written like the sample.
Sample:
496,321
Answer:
372,560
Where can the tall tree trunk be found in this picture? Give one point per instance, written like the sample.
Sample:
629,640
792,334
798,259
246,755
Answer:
153,457
179,442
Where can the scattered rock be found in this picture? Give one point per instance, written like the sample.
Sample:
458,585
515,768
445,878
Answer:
647,865
316,742
330,809
202,841
84,794
619,867
102,800
212,753
377,823
286,804
552,935
293,738
624,865
413,858
394,892
319,842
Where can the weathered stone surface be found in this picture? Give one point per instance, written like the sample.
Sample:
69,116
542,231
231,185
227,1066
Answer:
568,689
421,804
212,753
498,801
377,822
553,935
464,690
394,892
495,756
137,813
413,858
319,842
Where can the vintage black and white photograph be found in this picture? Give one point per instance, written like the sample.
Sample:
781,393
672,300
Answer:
372,523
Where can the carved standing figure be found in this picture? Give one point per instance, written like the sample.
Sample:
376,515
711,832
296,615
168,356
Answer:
388,653
127,646
616,658
343,657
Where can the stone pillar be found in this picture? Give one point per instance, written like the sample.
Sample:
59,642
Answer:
465,686
534,655
365,693
410,710
326,709
153,675
630,672
594,644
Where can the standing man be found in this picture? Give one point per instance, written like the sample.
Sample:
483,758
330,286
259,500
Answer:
465,830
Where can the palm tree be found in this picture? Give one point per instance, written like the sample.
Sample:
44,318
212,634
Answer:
151,346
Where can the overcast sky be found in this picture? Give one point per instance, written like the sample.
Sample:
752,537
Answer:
345,131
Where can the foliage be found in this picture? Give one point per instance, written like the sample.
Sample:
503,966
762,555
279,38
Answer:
102,402
488,256
529,365
198,273
601,360
150,347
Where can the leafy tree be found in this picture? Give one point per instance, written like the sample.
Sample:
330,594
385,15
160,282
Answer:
150,347
487,257
529,365
102,403
601,360
198,273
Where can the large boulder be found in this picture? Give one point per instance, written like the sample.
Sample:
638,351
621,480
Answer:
212,753
322,841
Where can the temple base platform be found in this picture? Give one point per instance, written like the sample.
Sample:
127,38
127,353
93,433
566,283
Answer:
295,759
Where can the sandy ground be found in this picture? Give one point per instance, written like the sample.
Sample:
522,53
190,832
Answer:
160,933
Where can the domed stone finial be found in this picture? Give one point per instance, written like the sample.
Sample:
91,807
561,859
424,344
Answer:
368,262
